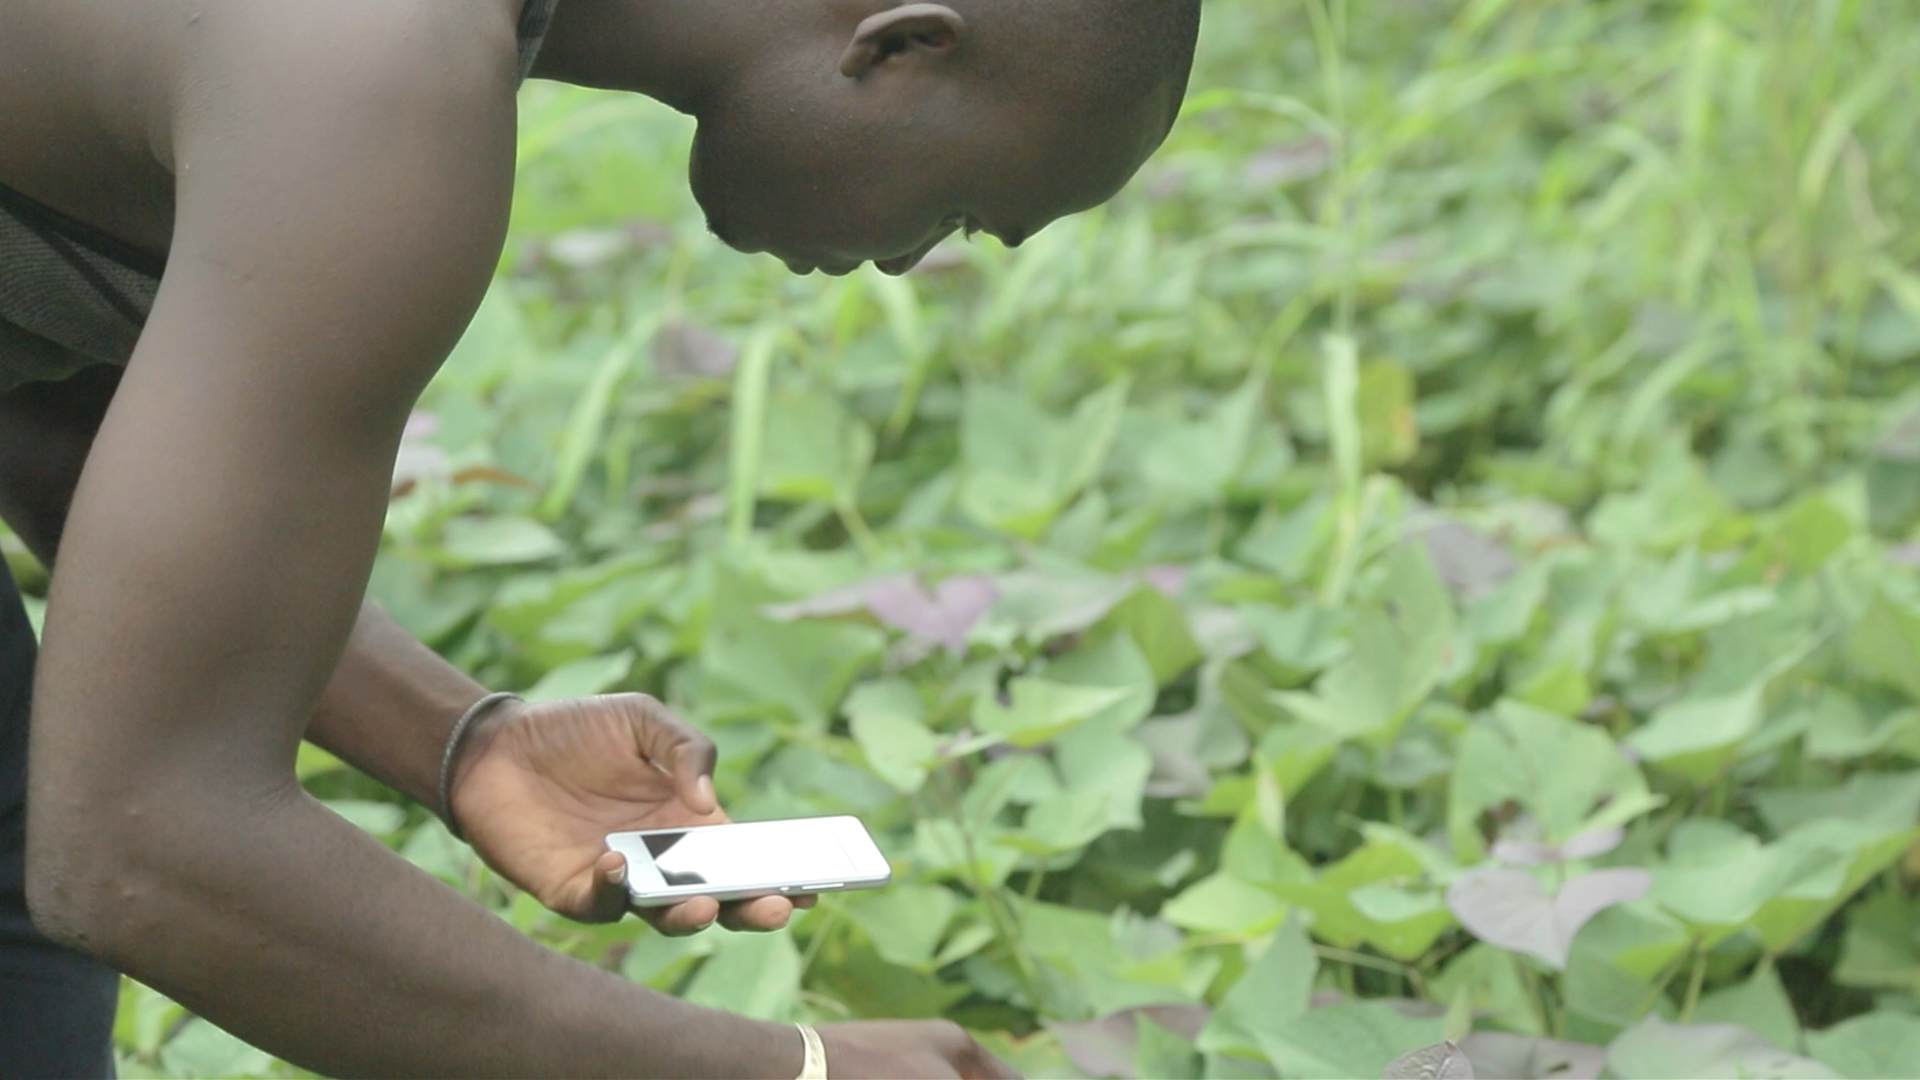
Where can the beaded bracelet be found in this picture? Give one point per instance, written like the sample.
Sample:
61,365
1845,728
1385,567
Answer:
460,726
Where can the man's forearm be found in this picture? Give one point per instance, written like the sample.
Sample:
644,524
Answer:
390,706
238,906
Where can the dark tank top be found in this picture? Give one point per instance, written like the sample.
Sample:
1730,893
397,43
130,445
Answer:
72,296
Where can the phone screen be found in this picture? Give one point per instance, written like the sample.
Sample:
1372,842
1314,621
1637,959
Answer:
727,858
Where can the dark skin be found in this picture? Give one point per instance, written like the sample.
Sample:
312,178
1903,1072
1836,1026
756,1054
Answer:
333,206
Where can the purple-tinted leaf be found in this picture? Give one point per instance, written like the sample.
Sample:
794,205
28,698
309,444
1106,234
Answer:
1509,909
1592,845
948,256
420,425
417,458
1497,1055
1526,852
1178,771
836,602
1471,563
1590,894
1170,580
1587,845
943,617
1441,1061
1290,162
685,350
1903,442
1654,1049
1905,555
1105,1048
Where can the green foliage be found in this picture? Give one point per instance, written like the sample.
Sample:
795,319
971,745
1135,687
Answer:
1484,426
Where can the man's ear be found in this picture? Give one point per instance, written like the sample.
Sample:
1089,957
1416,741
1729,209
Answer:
934,28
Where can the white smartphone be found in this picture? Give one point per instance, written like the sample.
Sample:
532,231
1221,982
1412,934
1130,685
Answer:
792,857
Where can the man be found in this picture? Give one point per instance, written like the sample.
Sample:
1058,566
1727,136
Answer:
236,240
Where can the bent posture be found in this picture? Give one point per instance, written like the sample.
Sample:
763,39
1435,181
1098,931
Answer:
236,240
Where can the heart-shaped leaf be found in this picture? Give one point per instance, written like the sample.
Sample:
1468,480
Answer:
1587,845
943,617
1654,1049
1508,908
1498,1055
1441,1061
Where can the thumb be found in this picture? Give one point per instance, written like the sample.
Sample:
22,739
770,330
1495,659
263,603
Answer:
607,897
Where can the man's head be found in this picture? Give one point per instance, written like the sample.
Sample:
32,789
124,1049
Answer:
869,130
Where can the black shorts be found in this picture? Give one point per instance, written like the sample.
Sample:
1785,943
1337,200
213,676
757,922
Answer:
56,1007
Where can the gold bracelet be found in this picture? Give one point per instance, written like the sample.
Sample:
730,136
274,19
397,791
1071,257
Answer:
816,1064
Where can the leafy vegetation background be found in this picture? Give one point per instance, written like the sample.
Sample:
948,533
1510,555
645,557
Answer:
1433,560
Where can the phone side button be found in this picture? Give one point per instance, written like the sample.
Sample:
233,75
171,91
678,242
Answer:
835,885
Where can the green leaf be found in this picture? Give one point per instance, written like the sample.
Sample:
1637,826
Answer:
1877,1046
499,541
1163,1054
583,678
1020,467
1887,801
1159,628
753,664
1113,662
1760,1004
200,1049
1697,738
1886,642
1066,821
1358,1039
1296,752
1398,652
1277,986
1346,913
1194,462
747,447
814,451
1389,428
1492,984
312,761
1726,886
905,921
1881,948
756,975
1224,904
1857,854
1570,775
585,428
1656,1050
1041,709
1111,768
378,818
887,720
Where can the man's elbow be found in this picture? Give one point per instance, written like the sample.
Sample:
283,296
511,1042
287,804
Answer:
89,889
67,885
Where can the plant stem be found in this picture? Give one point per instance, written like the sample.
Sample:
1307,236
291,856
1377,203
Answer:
1531,980
1695,982
1377,963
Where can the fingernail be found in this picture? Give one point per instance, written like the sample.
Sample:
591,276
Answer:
619,874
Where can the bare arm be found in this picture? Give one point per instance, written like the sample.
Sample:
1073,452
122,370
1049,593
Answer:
329,247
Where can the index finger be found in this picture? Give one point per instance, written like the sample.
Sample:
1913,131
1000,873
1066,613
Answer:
676,746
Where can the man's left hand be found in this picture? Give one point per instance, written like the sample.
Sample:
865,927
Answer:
541,784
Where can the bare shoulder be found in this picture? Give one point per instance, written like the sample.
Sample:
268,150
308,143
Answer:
101,94
344,172
319,56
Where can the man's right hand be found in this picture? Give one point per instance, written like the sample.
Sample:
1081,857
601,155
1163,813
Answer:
908,1050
